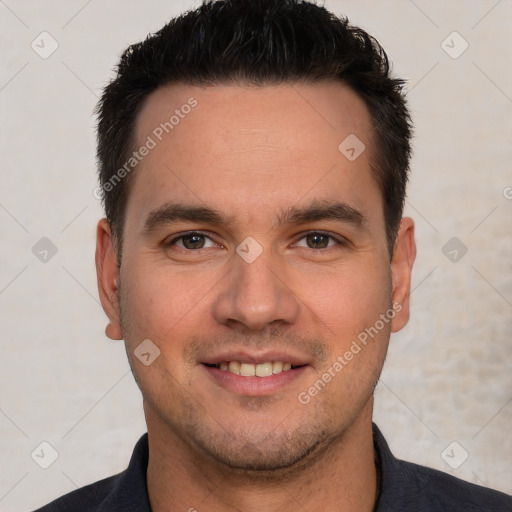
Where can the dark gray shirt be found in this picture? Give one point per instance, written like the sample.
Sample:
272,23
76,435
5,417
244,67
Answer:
404,487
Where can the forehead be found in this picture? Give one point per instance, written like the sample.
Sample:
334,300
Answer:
322,111
252,146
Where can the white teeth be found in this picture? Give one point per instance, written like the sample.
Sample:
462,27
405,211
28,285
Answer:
264,369
277,367
247,370
234,367
251,370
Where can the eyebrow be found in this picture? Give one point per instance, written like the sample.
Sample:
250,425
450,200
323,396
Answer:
176,212
338,211
324,210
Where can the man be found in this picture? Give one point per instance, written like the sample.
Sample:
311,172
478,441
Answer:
253,163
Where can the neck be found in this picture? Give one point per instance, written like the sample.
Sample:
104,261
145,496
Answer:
341,476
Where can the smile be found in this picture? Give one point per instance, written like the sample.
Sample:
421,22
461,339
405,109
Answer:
254,370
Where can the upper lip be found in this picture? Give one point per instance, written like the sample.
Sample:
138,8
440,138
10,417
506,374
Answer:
243,356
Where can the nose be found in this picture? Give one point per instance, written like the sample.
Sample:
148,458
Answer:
256,295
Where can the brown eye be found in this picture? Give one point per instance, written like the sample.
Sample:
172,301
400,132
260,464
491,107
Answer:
317,240
191,241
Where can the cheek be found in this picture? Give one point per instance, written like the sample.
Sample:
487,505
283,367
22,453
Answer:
349,298
169,308
162,310
359,315
157,301
349,305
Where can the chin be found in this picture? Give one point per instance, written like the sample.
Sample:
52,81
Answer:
257,439
263,454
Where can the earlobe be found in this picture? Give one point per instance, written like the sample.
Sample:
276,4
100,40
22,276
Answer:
404,255
113,331
107,273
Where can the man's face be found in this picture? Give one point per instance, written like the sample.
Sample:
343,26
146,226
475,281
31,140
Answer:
292,269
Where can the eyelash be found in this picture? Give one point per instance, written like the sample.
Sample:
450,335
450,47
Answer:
339,241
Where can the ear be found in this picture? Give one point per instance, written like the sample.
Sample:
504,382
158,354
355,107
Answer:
108,275
404,254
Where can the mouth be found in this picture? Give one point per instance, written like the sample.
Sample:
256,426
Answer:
256,374
262,370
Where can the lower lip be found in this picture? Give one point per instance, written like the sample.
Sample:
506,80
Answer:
254,386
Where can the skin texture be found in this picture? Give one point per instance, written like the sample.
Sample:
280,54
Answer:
251,153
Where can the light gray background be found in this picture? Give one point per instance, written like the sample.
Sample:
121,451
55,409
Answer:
448,374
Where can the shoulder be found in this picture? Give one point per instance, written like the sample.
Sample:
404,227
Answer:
85,499
431,489
124,492
408,486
